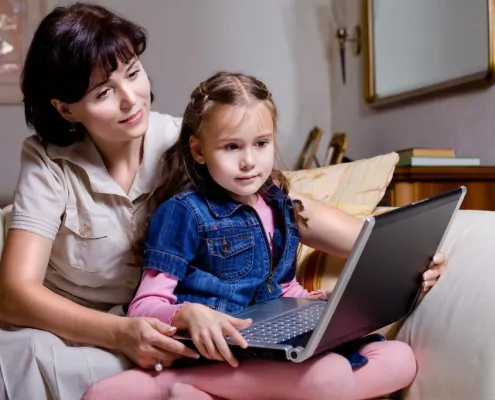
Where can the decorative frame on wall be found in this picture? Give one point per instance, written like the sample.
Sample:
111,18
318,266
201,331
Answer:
413,48
18,21
308,153
336,149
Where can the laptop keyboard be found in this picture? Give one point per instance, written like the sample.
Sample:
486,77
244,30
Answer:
286,327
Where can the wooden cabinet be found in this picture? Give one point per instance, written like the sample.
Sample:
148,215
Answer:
410,184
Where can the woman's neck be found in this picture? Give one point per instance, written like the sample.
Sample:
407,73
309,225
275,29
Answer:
122,160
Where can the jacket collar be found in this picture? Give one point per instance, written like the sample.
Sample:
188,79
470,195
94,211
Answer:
221,205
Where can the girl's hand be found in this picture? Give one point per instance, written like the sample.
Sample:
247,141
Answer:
147,340
208,329
320,295
431,276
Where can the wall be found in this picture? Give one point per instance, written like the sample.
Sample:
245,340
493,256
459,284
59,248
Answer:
284,42
464,120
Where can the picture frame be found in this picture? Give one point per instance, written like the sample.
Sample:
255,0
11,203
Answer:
308,153
415,48
18,22
336,149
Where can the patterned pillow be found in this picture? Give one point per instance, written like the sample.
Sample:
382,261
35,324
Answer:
355,188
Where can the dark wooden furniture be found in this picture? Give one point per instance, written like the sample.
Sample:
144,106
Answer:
410,184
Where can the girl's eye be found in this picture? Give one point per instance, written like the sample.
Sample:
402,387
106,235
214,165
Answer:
103,94
262,143
231,147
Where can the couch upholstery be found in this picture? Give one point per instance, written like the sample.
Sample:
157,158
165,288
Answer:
451,331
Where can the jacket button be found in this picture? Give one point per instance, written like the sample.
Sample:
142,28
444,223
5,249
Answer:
225,245
83,231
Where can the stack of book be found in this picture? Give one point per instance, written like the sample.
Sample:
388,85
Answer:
432,157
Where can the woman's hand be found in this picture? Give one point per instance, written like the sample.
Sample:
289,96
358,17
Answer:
208,329
431,276
147,340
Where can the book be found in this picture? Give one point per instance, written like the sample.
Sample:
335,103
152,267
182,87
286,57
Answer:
439,162
426,152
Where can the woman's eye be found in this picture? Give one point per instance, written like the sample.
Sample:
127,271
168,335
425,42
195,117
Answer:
231,147
134,74
262,143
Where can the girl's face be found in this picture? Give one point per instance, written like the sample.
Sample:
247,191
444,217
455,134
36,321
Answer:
113,110
237,145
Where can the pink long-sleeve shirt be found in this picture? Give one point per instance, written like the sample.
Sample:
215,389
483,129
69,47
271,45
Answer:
155,296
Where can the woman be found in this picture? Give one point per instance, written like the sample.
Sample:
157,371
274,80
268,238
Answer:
66,269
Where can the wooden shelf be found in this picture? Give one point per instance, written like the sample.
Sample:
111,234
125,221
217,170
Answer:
410,184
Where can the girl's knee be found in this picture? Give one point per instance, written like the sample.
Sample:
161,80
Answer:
129,385
331,378
399,358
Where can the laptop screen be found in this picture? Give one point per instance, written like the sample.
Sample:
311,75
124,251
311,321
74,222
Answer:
386,277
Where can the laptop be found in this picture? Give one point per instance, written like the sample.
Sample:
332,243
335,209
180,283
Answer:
379,285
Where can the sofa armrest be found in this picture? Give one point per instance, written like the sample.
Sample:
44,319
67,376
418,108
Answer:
451,331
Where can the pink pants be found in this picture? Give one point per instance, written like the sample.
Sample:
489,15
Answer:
391,366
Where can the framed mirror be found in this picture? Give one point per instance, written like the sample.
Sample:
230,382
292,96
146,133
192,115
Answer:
417,47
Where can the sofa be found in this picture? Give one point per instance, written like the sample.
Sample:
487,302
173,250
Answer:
450,330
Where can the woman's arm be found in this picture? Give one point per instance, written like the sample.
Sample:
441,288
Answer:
329,229
25,301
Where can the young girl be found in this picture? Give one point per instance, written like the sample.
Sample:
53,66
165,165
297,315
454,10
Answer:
225,236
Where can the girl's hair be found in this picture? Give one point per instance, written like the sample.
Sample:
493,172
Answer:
180,171
68,45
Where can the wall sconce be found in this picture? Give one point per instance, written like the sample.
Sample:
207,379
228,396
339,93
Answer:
343,37
337,14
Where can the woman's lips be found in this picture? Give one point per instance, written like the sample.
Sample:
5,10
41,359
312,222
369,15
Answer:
133,118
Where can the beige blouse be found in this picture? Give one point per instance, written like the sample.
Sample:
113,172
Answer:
66,195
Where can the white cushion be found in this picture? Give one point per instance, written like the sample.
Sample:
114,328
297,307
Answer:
2,230
451,331
7,212
5,215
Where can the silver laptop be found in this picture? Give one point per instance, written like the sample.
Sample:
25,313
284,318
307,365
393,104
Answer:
379,285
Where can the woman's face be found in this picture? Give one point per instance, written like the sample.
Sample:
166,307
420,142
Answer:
114,110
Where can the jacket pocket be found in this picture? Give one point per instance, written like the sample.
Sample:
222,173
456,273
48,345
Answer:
231,256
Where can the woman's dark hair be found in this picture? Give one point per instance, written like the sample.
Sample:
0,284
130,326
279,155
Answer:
66,48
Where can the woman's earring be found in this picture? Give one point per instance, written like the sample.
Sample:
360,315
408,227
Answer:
72,128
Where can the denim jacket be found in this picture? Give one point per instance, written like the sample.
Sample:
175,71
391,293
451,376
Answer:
218,250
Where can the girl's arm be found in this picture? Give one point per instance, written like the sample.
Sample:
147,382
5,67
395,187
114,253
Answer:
335,232
329,229
155,297
295,289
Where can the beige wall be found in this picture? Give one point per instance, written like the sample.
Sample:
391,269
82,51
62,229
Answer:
284,42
